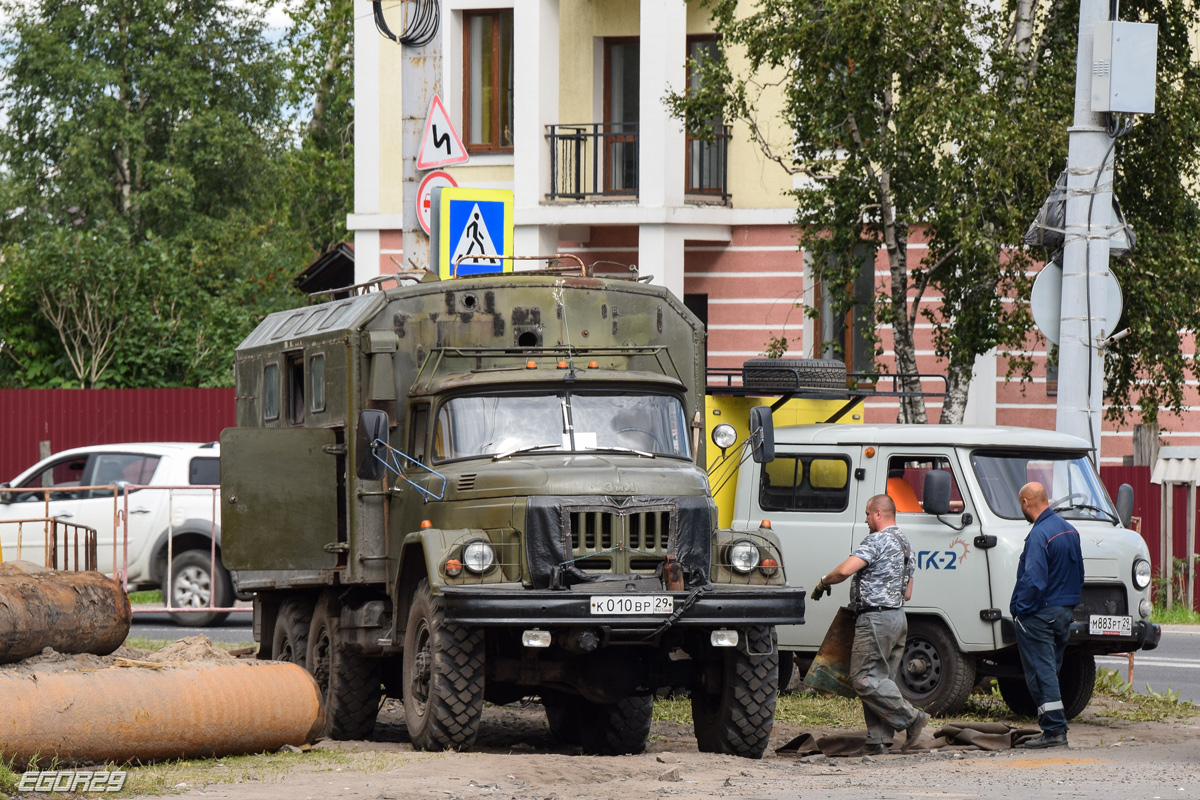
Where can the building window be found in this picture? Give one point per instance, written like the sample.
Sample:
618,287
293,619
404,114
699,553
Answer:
488,80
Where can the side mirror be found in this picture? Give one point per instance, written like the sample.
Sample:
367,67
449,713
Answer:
937,492
372,426
1125,504
762,435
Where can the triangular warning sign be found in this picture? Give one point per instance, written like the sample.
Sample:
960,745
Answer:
440,145
475,241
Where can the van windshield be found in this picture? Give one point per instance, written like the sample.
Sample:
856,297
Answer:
1074,489
503,424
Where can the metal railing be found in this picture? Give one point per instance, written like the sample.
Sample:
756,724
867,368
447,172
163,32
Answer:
600,159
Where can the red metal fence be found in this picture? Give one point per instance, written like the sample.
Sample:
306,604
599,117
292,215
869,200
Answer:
1147,507
76,417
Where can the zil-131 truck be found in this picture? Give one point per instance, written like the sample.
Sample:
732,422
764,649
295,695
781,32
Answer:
486,488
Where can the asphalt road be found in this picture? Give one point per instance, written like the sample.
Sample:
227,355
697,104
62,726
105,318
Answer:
235,629
1175,664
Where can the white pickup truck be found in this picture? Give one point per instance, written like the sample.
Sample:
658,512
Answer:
187,518
955,489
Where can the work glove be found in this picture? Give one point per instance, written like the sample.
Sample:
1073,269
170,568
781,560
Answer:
820,589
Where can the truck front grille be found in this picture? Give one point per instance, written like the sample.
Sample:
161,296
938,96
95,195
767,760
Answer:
1106,599
605,541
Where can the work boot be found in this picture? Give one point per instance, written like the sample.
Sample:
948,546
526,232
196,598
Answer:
1047,740
875,749
913,731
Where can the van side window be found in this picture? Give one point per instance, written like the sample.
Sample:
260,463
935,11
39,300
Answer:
270,392
906,482
805,483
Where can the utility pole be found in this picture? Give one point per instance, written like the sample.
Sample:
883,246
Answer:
420,80
1089,217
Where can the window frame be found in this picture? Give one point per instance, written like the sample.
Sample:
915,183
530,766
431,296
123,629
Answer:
496,127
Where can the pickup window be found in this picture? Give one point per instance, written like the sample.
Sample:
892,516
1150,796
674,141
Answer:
805,483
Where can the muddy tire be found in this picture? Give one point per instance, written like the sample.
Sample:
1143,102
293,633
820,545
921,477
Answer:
733,710
193,582
616,729
350,684
443,677
787,667
290,642
1076,683
934,674
563,719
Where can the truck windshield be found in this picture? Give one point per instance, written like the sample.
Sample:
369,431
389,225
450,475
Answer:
491,425
1074,489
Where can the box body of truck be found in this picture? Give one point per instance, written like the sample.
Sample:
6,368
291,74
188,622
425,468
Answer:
486,487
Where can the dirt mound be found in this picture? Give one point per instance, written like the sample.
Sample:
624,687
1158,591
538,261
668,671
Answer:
191,650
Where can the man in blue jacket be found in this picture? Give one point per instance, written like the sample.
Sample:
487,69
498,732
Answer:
1049,586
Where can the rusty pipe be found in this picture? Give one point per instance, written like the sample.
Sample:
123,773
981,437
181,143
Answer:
138,714
72,612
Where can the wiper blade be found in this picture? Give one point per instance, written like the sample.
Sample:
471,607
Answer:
529,449
615,449
1113,518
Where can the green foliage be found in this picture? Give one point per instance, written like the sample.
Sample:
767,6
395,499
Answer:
1175,615
777,347
1109,682
144,163
944,126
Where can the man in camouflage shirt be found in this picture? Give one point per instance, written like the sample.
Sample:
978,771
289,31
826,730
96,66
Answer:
882,569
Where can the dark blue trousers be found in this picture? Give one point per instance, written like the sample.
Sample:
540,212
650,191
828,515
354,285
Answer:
1042,640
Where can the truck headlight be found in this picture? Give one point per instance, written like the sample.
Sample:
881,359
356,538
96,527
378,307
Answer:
478,556
723,436
1141,573
743,556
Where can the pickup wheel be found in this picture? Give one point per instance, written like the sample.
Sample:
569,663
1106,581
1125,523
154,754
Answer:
193,581
1076,683
292,624
616,729
733,710
350,684
934,674
443,677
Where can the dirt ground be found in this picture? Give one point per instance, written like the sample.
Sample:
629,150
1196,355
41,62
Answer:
516,758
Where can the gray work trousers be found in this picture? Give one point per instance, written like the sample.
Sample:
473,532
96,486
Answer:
874,663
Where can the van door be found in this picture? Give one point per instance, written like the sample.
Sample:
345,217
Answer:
952,578
811,497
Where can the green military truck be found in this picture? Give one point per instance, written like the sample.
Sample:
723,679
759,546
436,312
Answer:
486,488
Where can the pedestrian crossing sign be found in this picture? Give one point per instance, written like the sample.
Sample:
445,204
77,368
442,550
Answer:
474,222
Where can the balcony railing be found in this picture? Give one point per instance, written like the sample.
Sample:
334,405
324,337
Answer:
600,159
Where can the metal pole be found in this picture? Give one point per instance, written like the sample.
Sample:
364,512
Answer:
1085,253
1169,542
1191,547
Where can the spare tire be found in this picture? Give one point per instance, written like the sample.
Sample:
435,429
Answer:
790,374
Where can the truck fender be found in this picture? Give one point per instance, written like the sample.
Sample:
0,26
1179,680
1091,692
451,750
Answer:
421,556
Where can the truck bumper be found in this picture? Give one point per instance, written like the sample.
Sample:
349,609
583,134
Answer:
719,608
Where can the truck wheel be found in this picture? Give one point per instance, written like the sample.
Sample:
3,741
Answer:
733,710
934,674
192,583
563,719
787,667
290,642
443,677
616,729
794,373
1076,683
350,684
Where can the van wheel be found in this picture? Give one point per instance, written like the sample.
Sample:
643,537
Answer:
350,684
934,674
193,582
616,729
290,642
443,677
733,710
1076,684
